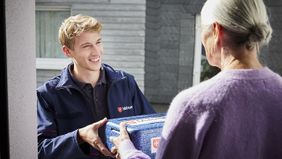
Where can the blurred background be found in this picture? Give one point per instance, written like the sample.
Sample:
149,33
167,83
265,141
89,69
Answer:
158,41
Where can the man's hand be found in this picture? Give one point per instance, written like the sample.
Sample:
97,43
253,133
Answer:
90,135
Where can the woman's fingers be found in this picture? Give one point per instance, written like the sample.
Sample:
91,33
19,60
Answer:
123,132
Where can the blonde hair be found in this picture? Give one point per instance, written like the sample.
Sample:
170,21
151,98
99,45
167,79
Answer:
74,26
245,21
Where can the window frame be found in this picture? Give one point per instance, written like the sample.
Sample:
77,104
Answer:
52,63
198,51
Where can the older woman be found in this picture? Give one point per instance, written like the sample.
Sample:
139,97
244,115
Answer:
238,112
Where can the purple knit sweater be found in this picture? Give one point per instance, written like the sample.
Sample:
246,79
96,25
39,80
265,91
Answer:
235,115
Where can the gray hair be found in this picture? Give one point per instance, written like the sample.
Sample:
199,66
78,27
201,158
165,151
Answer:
245,21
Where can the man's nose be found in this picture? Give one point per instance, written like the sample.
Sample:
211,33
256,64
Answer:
95,48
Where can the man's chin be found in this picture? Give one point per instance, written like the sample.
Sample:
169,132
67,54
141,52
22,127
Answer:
95,68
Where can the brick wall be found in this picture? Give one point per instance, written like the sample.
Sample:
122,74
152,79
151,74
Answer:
169,49
272,54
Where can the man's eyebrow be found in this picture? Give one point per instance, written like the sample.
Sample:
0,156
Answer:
86,43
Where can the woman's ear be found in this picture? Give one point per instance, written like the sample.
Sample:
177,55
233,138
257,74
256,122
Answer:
66,51
214,56
218,34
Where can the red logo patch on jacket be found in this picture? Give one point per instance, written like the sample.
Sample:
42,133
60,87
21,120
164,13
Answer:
120,109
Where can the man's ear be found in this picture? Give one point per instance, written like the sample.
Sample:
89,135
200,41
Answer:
218,34
66,51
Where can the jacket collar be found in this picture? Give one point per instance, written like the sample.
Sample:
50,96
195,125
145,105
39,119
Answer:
67,81
112,74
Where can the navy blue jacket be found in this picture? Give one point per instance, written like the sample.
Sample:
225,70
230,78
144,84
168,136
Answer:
62,109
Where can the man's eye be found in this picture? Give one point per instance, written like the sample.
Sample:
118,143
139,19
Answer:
85,46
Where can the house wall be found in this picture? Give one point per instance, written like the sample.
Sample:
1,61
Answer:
169,45
272,55
21,81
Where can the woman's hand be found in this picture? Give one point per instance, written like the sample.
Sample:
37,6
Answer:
118,140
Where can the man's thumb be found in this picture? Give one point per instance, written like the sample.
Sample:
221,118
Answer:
100,123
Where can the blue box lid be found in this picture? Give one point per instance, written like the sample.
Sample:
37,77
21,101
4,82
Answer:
140,122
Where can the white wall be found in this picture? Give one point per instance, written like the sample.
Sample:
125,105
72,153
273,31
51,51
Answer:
20,33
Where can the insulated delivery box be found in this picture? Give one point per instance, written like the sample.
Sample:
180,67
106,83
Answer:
144,131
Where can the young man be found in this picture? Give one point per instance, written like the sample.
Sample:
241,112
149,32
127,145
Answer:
73,107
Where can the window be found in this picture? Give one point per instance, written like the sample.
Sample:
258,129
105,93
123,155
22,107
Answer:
48,49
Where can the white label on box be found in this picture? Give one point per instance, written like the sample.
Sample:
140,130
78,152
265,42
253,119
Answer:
145,120
155,144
